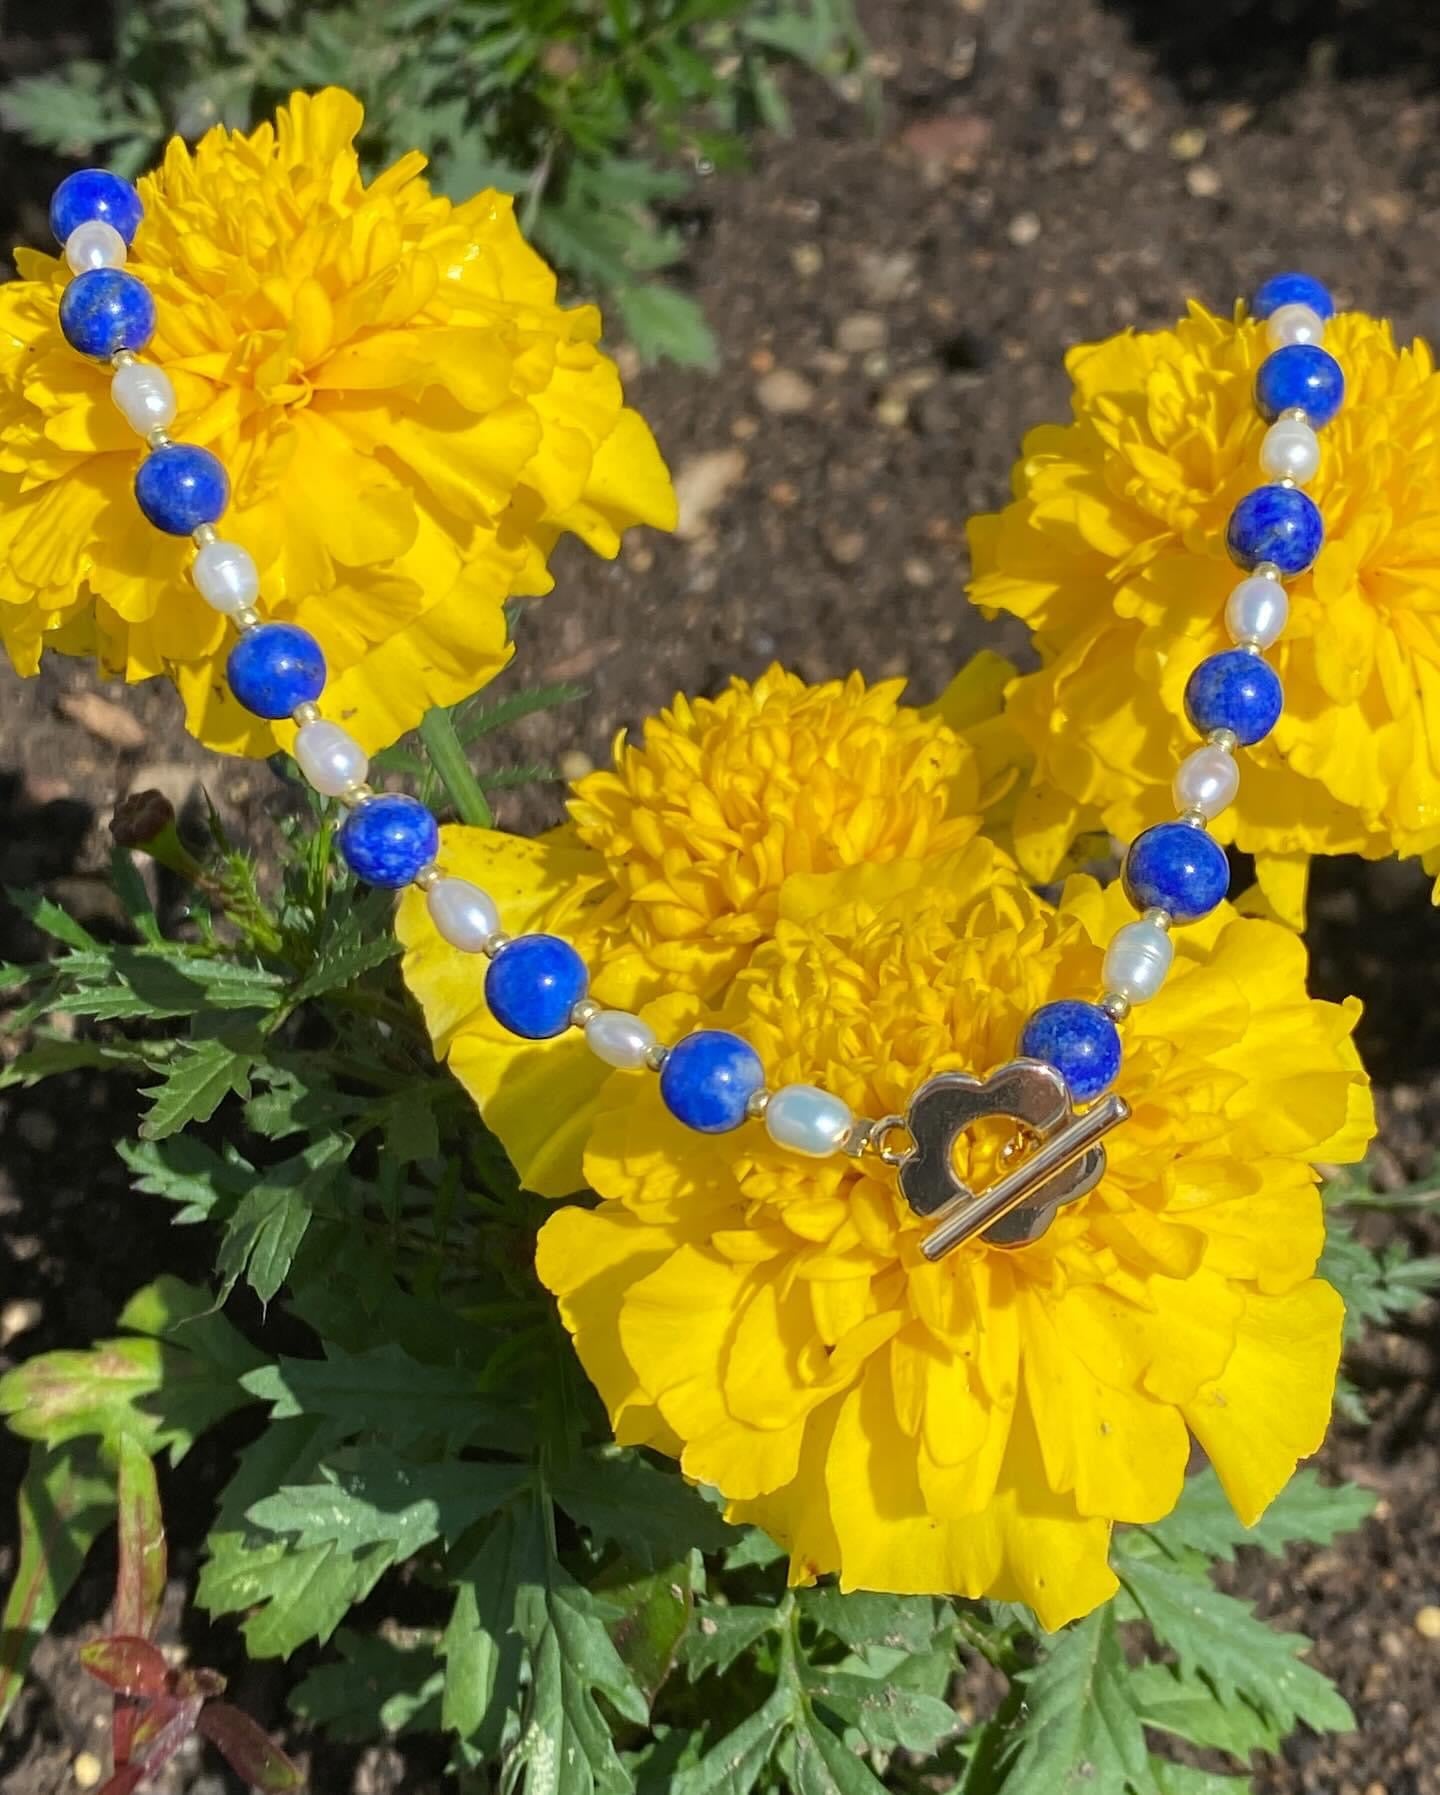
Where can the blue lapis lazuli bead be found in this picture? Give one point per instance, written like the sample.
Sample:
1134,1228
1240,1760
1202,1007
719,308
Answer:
1235,690
180,487
1292,289
533,985
1301,377
105,310
708,1079
1279,524
1079,1040
92,193
274,668
388,839
1178,868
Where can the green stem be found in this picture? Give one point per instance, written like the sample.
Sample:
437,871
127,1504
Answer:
447,756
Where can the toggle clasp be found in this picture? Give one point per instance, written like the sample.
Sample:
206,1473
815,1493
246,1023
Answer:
1060,1153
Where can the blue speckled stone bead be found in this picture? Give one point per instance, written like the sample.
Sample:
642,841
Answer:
708,1080
387,839
180,487
1301,377
1178,868
105,310
1079,1040
275,667
1292,289
95,193
1238,691
1279,524
533,984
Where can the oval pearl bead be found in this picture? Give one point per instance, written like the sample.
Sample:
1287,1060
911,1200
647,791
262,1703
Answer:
1178,868
1294,323
225,576
804,1119
708,1079
533,984
1292,289
94,244
1137,960
1257,611
1291,451
1079,1040
94,193
144,397
387,840
1300,377
1235,690
620,1039
330,758
463,914
1207,781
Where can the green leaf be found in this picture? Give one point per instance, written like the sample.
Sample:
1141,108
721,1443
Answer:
185,1171
341,963
1218,1637
825,1765
1176,1702
1083,1733
887,1713
162,1386
264,1233
721,1634
655,1515
1203,1521
64,1503
482,1648
861,1619
733,1765
654,1618
381,1499
374,1679
140,1550
1181,1779
667,325
197,1081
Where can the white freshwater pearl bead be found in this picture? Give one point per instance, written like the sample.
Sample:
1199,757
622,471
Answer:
1207,781
1291,451
94,244
1256,611
807,1120
226,577
330,758
464,914
1137,961
143,396
1294,324
620,1039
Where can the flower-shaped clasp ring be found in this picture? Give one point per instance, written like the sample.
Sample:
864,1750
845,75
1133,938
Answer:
1055,1158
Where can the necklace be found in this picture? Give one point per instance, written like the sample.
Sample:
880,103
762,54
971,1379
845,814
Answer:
711,1080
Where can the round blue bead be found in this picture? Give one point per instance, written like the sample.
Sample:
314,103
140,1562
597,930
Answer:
1178,868
1301,377
1079,1040
105,310
1279,524
1235,690
1292,289
709,1078
533,984
95,193
274,668
386,840
180,487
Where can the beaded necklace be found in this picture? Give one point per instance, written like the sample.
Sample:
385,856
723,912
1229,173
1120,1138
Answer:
711,1080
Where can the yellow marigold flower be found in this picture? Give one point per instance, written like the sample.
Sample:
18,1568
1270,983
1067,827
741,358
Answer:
408,419
1113,551
974,1426
672,868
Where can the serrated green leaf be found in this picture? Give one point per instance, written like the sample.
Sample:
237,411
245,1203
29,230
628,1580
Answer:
197,1081
1306,1509
655,1515
825,1765
1217,1636
64,1503
667,325
1174,1701
373,1679
185,1171
1082,1733
887,1713
863,1618
342,963
733,1765
267,1225
722,1633
654,1618
754,1548
482,1647
1182,1779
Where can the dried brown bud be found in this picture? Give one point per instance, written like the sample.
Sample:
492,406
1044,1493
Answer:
139,818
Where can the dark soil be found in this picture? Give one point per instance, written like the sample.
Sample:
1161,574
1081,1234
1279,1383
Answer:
1045,171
